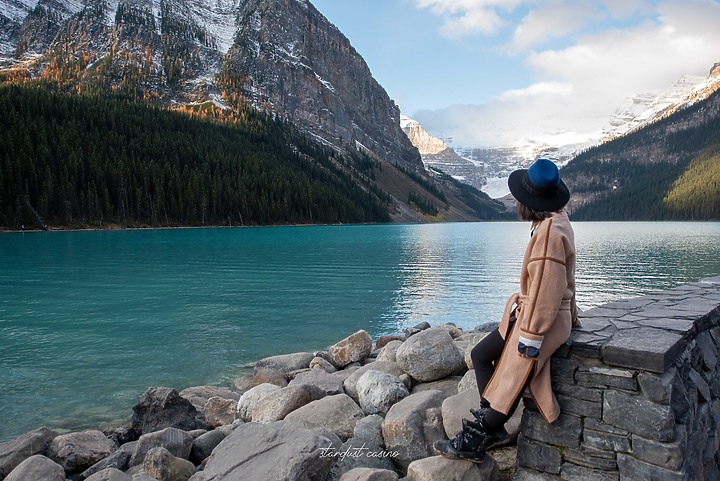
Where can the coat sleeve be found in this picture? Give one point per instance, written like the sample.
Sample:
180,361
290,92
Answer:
547,276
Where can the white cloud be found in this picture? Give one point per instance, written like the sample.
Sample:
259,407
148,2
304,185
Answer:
555,20
576,87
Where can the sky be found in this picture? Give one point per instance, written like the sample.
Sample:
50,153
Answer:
495,72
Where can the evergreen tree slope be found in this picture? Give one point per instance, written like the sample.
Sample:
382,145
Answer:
76,161
696,194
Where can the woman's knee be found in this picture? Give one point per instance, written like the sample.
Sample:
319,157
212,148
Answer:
488,349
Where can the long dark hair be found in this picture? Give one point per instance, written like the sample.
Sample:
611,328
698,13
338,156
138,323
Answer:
532,215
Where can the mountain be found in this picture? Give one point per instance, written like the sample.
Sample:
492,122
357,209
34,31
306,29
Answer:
438,155
281,56
212,60
667,169
635,113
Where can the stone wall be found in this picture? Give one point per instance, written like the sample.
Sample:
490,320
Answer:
640,394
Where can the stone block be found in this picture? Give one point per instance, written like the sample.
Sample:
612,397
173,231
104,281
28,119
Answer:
669,455
613,378
579,392
644,348
591,459
580,407
436,467
709,350
657,388
563,370
538,456
565,431
606,441
572,472
639,415
632,469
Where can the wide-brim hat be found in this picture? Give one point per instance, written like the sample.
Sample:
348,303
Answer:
539,187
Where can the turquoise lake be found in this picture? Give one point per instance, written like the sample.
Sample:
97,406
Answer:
90,319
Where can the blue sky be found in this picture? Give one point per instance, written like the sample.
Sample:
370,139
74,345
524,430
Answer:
487,72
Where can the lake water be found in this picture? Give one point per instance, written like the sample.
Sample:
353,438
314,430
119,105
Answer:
89,320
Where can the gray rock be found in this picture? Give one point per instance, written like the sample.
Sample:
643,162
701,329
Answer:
109,474
322,363
436,467
119,459
369,474
639,415
378,391
76,452
17,450
199,395
353,348
430,355
163,466
220,411
472,342
202,447
267,375
163,407
286,362
320,378
279,451
383,341
278,404
388,353
251,399
367,441
177,442
243,383
449,386
350,384
413,425
37,468
468,382
457,407
338,413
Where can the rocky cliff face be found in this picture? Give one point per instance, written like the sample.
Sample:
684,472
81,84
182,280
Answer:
439,155
282,56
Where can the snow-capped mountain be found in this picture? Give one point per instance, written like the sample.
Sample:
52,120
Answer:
635,113
437,154
280,56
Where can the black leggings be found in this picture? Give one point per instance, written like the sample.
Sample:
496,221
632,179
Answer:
484,355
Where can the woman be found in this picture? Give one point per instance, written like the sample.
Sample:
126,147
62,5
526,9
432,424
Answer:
513,361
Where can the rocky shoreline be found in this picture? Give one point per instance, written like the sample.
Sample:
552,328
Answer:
363,410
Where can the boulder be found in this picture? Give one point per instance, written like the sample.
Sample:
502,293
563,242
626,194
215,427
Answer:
279,451
367,441
251,399
322,363
411,331
385,340
448,386
378,390
122,434
353,348
278,404
369,474
119,459
437,467
412,426
177,442
268,375
199,395
350,384
220,411
243,384
163,407
109,474
472,342
338,413
163,466
320,378
202,447
37,468
286,362
17,450
457,407
454,331
76,452
388,353
468,382
430,355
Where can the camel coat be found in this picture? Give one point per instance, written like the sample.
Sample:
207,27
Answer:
545,311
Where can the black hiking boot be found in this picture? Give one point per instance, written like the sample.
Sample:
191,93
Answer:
497,439
468,444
